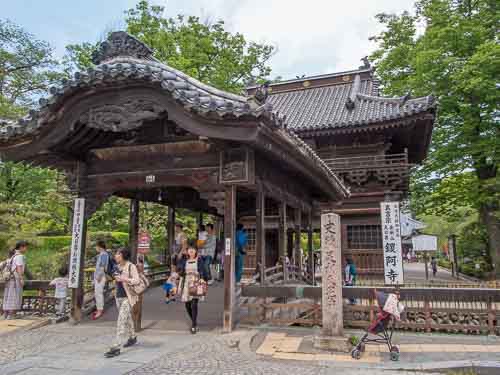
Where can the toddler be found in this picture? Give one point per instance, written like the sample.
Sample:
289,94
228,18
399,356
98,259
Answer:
170,286
61,285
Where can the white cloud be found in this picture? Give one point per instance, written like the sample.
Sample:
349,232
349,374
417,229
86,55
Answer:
312,36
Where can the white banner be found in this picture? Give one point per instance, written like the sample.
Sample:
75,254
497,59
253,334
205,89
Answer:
391,239
76,242
424,242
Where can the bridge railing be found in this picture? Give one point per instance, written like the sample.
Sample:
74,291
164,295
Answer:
464,310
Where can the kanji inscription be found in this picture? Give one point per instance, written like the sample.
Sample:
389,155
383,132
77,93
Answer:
391,239
331,271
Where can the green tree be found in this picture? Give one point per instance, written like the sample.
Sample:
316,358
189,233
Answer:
27,69
456,58
205,51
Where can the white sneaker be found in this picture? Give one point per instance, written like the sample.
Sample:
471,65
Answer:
210,282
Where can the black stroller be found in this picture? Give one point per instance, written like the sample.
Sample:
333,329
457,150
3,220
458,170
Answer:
382,327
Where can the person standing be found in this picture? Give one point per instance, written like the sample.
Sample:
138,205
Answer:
125,275
208,251
101,267
13,292
434,266
350,274
191,270
61,292
180,243
241,243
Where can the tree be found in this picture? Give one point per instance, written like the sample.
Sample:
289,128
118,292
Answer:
205,51
27,69
456,58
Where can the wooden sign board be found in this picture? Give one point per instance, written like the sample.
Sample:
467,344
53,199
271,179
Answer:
391,240
144,243
236,166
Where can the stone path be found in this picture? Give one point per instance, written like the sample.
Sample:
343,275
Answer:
63,349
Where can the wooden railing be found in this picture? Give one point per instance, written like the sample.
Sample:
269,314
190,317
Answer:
368,162
38,295
465,310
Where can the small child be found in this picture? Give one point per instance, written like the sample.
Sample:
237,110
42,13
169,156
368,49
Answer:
202,237
170,287
61,284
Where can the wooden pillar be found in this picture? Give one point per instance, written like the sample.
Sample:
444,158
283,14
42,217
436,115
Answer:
282,236
260,233
133,233
229,257
310,248
296,248
170,234
133,229
77,260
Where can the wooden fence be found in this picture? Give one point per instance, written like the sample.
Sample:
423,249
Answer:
458,310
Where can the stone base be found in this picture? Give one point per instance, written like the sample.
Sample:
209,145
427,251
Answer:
339,344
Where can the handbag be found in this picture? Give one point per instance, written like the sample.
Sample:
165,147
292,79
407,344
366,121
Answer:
143,284
198,288
6,270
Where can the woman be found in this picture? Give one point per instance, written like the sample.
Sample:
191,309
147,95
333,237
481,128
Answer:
126,275
191,269
13,294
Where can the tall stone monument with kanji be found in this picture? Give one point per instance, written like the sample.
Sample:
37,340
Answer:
332,334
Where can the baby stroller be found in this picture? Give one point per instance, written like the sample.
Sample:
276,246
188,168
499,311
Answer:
383,325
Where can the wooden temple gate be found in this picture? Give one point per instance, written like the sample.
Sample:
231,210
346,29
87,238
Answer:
135,128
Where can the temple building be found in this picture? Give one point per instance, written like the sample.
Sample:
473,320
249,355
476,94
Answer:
370,141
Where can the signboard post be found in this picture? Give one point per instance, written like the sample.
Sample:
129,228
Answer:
144,243
77,241
391,240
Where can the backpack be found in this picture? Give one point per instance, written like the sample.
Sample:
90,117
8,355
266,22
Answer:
111,266
6,270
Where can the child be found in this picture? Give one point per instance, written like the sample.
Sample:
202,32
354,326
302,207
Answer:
170,286
202,237
61,284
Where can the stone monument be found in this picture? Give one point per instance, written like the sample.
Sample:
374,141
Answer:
332,335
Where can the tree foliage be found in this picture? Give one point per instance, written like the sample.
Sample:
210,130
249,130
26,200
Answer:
27,69
456,58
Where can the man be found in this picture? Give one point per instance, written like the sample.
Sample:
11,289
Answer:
208,251
241,243
101,266
434,266
180,243
13,292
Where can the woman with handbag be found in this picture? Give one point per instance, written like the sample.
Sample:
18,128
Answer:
193,284
128,281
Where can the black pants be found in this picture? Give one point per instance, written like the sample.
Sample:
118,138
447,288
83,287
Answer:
192,310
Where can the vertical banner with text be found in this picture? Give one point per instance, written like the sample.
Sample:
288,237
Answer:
391,240
76,242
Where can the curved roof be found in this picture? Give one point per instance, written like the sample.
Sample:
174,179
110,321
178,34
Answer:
123,61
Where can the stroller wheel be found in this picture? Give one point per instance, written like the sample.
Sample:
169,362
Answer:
394,353
356,354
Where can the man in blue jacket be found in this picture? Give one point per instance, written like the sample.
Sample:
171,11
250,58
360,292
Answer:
241,243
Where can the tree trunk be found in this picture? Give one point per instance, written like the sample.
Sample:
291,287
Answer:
492,224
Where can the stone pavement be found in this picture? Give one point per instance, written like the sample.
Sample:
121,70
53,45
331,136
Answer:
78,350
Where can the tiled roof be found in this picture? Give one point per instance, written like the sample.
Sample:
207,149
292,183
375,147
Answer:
342,105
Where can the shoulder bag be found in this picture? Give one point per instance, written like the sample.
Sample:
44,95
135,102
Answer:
143,284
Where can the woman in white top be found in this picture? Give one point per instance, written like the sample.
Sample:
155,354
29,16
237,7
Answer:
13,293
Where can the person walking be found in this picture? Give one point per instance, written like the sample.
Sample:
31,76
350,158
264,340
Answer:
434,266
101,266
191,269
180,243
208,251
13,292
126,275
241,243
61,292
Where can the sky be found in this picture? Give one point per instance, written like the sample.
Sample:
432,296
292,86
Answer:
312,37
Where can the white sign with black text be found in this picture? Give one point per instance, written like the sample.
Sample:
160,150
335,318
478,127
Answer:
76,242
391,240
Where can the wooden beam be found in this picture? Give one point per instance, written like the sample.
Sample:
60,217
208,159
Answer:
229,258
310,246
260,233
282,235
298,232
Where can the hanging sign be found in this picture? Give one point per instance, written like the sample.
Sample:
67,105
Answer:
391,240
144,242
76,243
